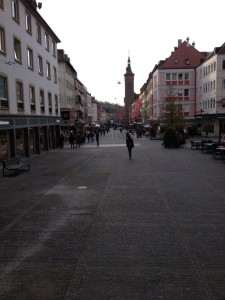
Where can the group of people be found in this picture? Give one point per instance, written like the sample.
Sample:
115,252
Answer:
78,140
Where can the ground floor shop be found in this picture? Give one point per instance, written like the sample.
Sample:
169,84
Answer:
25,136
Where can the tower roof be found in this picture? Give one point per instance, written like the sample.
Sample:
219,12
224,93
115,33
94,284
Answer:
128,68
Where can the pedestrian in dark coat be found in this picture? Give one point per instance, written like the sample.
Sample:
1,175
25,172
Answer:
72,139
130,144
97,137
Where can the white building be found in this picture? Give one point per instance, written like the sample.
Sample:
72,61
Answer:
210,95
29,91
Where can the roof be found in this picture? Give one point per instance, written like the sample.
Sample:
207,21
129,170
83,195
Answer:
185,56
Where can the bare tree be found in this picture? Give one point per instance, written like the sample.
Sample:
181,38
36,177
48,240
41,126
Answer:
172,115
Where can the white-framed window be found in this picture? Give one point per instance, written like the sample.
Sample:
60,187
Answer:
32,98
46,41
4,102
28,22
187,61
214,85
17,50
214,66
50,103
186,92
19,95
48,70
180,93
42,100
180,76
38,33
40,65
2,40
15,10
168,76
30,60
53,48
55,74
174,76
186,76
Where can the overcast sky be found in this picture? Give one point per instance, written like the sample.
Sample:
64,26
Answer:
97,35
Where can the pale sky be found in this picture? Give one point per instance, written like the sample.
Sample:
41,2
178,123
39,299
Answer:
97,35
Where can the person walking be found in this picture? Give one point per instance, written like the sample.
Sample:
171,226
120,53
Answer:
130,144
72,139
97,137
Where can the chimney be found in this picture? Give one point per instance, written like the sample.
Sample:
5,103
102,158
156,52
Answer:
179,42
193,44
39,5
187,39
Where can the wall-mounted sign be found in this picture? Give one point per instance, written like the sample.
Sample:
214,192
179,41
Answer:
4,122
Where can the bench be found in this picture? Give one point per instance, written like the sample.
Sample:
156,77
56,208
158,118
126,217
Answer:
15,165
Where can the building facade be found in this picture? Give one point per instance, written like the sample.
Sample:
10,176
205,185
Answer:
29,91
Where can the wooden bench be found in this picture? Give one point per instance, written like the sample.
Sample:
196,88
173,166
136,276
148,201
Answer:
15,165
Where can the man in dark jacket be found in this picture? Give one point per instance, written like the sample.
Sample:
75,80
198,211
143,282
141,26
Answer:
130,144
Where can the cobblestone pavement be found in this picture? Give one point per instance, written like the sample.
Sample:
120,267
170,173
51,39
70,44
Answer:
89,223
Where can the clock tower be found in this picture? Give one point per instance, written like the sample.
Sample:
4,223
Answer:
129,90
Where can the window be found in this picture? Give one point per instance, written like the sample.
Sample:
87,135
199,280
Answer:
56,105
40,65
223,84
17,50
186,92
176,61
223,64
167,76
46,41
50,103
180,93
38,33
53,48
32,98
3,93
186,76
214,66
15,10
2,40
19,95
48,70
28,22
187,61
180,76
2,4
55,74
174,76
214,84
30,60
42,101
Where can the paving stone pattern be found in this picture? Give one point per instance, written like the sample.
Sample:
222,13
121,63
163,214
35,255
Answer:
89,223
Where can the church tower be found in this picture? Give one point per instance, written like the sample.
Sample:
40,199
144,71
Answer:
129,89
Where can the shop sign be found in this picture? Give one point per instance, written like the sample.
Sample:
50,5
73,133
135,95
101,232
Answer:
2,122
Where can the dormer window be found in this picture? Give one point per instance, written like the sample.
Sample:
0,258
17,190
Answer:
187,61
176,61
